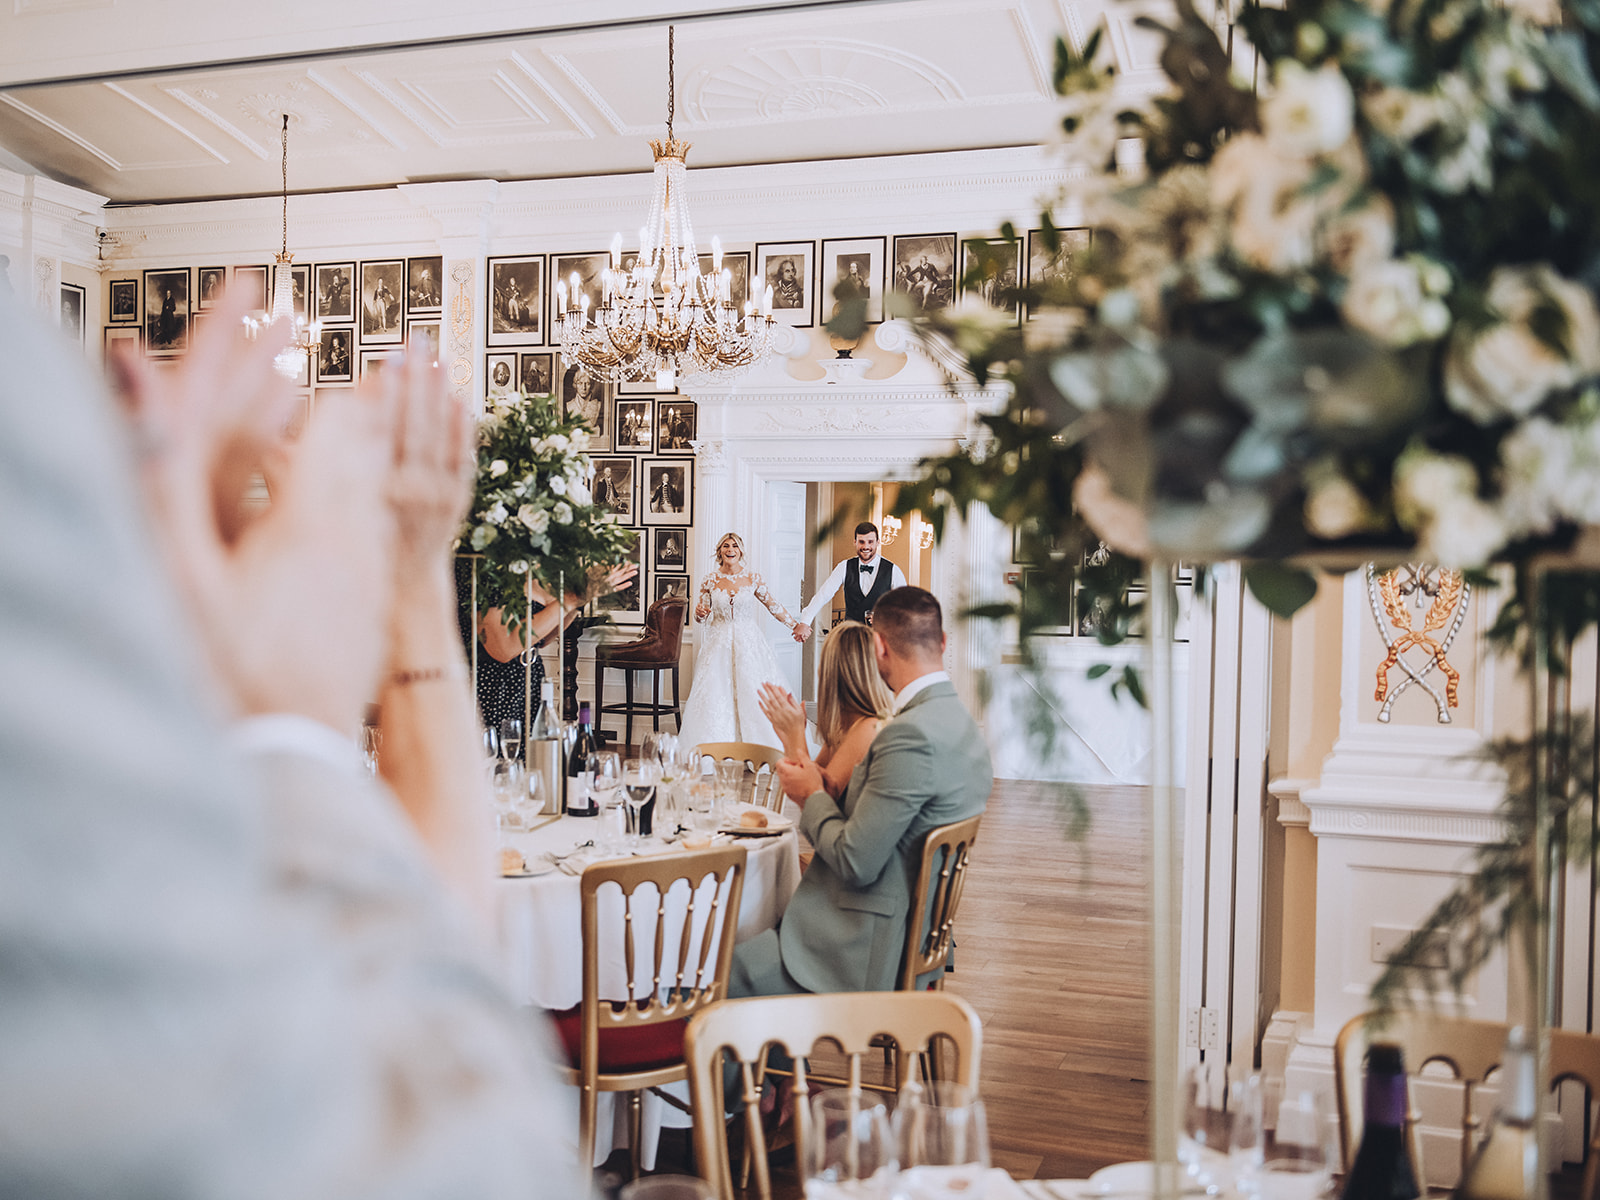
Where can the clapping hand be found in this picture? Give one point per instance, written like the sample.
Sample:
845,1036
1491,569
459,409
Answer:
788,719
800,779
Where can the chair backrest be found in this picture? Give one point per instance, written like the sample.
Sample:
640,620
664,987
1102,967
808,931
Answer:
1471,1049
766,790
850,1020
665,618
940,881
1576,1056
687,953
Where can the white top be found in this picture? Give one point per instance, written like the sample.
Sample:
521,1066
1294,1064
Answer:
835,581
904,696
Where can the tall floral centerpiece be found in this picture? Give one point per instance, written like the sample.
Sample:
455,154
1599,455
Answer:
532,514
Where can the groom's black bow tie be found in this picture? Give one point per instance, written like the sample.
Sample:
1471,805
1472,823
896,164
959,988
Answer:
868,566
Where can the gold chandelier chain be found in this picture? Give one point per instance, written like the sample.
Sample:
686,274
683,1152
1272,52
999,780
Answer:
285,248
672,78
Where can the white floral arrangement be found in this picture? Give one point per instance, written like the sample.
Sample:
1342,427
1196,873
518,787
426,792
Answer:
532,513
1341,298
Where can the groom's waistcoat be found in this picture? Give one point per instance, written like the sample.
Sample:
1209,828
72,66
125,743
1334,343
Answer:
858,604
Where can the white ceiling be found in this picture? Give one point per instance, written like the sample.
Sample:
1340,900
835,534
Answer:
163,100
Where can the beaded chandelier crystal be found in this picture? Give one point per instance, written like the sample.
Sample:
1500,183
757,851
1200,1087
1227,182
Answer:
304,338
661,318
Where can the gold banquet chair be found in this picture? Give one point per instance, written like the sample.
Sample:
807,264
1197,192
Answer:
852,1021
1472,1050
766,791
941,879
627,1043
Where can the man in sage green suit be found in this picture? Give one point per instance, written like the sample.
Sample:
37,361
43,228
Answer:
844,930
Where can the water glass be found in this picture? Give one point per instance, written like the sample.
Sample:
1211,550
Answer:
851,1149
605,785
1245,1134
1204,1126
505,782
730,774
639,777
1297,1162
942,1142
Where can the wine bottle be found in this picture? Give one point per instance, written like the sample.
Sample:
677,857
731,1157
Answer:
1382,1169
544,751
1506,1166
580,800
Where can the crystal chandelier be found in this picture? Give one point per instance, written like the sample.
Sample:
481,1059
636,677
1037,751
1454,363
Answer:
661,317
304,337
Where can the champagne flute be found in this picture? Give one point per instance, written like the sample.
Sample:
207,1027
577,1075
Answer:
851,1148
639,777
511,737
1202,1122
668,797
605,778
942,1139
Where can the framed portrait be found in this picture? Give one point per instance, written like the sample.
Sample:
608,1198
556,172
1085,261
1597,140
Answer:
198,324
1033,579
422,337
534,372
790,270
669,549
252,283
1056,269
382,298
643,387
627,606
166,312
587,268
516,300
336,291
853,268
674,584
666,493
124,335
998,263
612,487
209,285
677,425
335,356
425,284
299,286
375,362
586,396
124,301
299,416
500,375
737,264
635,425
74,302
925,269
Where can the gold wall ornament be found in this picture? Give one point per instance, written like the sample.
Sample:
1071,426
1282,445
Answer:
1397,597
461,274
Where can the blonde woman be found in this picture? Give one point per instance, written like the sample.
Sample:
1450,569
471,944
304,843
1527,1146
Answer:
735,658
852,704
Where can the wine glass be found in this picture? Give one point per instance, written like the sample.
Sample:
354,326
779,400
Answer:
1245,1135
730,774
851,1148
511,737
491,742
605,780
1203,1126
1297,1162
639,777
942,1139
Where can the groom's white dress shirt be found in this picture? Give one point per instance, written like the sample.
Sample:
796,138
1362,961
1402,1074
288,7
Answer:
835,581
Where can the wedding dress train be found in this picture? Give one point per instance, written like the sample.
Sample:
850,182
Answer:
734,660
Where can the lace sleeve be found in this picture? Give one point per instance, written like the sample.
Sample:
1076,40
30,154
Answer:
703,600
773,607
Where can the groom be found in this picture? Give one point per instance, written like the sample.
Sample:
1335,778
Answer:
845,928
866,578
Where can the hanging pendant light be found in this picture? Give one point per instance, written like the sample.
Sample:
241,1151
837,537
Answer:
662,318
305,336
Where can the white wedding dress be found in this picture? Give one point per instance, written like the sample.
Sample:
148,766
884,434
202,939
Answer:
734,660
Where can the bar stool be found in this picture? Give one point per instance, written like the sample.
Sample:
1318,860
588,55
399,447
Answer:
656,651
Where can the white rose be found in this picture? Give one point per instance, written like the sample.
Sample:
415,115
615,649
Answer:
518,566
1505,371
579,441
559,442
1309,112
1537,461
557,485
1425,483
1466,534
578,493
1335,508
562,513
482,535
535,519
1382,299
1401,114
1272,222
1360,236
496,515
498,468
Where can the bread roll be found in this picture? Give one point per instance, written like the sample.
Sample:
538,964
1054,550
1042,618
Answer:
511,861
752,819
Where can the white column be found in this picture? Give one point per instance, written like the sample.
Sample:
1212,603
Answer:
464,212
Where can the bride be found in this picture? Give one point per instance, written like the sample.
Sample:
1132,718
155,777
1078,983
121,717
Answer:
735,658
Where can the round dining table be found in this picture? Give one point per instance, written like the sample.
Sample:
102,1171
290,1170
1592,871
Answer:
542,945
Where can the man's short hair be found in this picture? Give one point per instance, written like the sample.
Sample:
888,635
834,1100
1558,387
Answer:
866,527
910,621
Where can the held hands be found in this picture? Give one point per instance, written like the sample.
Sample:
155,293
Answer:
802,631
788,720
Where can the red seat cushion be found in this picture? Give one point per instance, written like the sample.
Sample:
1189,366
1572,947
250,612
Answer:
630,1048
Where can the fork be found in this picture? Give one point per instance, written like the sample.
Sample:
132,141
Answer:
555,858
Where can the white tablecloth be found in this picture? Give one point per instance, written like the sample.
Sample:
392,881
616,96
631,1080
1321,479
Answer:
539,917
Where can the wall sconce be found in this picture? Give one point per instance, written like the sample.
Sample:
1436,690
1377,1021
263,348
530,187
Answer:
891,530
925,537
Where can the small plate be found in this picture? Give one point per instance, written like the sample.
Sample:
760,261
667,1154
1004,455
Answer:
538,866
776,823
1133,1180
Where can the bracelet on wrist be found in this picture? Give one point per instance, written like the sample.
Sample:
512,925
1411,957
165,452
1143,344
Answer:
422,675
